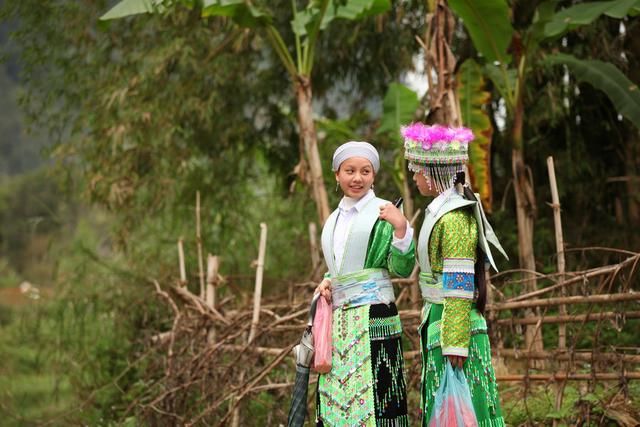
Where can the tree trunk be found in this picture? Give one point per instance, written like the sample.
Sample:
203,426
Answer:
525,214
309,142
631,169
444,106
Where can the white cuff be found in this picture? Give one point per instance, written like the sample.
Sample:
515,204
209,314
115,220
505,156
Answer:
403,244
455,351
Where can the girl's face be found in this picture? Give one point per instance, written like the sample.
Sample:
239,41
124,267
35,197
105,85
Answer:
424,184
355,176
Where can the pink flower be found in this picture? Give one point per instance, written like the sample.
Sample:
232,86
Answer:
452,134
427,136
464,134
436,133
414,131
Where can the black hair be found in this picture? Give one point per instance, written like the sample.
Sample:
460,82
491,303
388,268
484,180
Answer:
479,267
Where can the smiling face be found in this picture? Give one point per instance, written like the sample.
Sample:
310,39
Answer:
355,176
425,187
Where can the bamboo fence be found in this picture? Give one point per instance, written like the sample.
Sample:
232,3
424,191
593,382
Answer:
225,356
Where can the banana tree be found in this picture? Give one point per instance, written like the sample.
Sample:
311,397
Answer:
491,32
490,29
452,99
399,108
298,60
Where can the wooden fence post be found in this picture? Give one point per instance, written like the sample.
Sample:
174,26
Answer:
183,270
199,245
557,221
257,295
213,264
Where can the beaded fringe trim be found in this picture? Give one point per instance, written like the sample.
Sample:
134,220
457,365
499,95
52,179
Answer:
402,421
442,176
494,422
398,390
383,328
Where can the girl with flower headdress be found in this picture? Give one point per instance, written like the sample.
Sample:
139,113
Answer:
452,252
364,240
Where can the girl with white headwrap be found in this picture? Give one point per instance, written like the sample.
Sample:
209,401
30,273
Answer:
364,240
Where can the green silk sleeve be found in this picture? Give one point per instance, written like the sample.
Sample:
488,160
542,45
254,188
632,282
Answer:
459,242
381,254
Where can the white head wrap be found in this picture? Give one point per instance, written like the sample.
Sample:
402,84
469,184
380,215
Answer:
356,149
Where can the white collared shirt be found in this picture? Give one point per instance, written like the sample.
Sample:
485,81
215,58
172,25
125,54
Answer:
349,208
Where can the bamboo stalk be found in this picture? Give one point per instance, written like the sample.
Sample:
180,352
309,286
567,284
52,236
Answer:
415,217
213,264
257,295
183,270
313,242
564,376
557,221
415,288
586,356
581,277
546,302
570,318
210,292
199,245
510,353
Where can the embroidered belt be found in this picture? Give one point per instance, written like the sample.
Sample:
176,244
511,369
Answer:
364,287
431,287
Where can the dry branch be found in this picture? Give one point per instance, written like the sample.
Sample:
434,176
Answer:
570,318
578,277
564,376
633,296
587,356
193,381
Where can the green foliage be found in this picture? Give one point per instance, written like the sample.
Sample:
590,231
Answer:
133,7
537,406
147,111
488,25
586,13
609,79
8,276
20,151
34,209
398,108
474,100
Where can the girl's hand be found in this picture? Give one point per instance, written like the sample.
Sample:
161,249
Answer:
393,216
324,289
457,361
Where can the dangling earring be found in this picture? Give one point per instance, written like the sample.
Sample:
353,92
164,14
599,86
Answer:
372,187
337,186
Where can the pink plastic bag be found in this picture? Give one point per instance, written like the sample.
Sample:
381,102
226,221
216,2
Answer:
453,406
322,337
